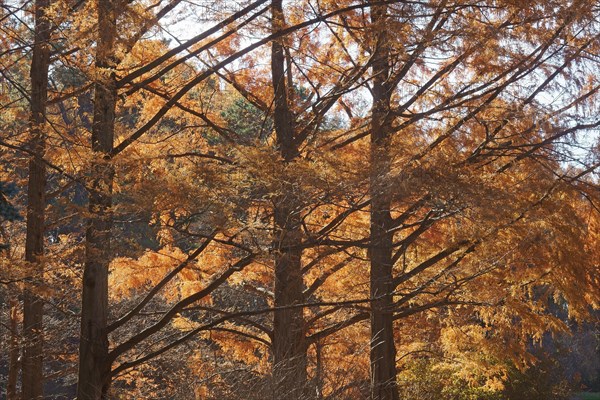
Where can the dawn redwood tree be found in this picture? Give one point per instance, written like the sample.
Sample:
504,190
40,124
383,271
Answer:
413,128
298,126
383,350
448,191
95,359
94,366
289,332
32,362
295,119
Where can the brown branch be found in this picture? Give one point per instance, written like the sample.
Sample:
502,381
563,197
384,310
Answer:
158,287
176,308
201,77
186,45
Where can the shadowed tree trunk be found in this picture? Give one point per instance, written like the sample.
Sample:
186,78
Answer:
383,350
32,362
289,339
13,352
94,365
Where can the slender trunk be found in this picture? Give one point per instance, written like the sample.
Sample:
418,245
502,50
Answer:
13,352
94,367
289,336
383,350
32,363
319,369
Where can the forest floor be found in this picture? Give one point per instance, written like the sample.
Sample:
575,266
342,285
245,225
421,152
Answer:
587,396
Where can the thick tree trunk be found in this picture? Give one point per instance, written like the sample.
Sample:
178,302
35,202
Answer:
32,362
94,367
289,336
13,352
383,350
289,340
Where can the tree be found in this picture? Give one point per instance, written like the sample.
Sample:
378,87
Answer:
296,203
383,351
95,373
32,364
401,111
289,336
94,365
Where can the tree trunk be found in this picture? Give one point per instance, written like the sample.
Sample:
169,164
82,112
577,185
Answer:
13,352
94,367
289,340
32,363
319,370
289,336
383,350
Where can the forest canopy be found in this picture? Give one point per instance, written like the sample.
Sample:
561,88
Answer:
329,199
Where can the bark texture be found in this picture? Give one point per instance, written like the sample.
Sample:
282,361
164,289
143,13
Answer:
13,352
383,350
289,336
32,362
94,364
